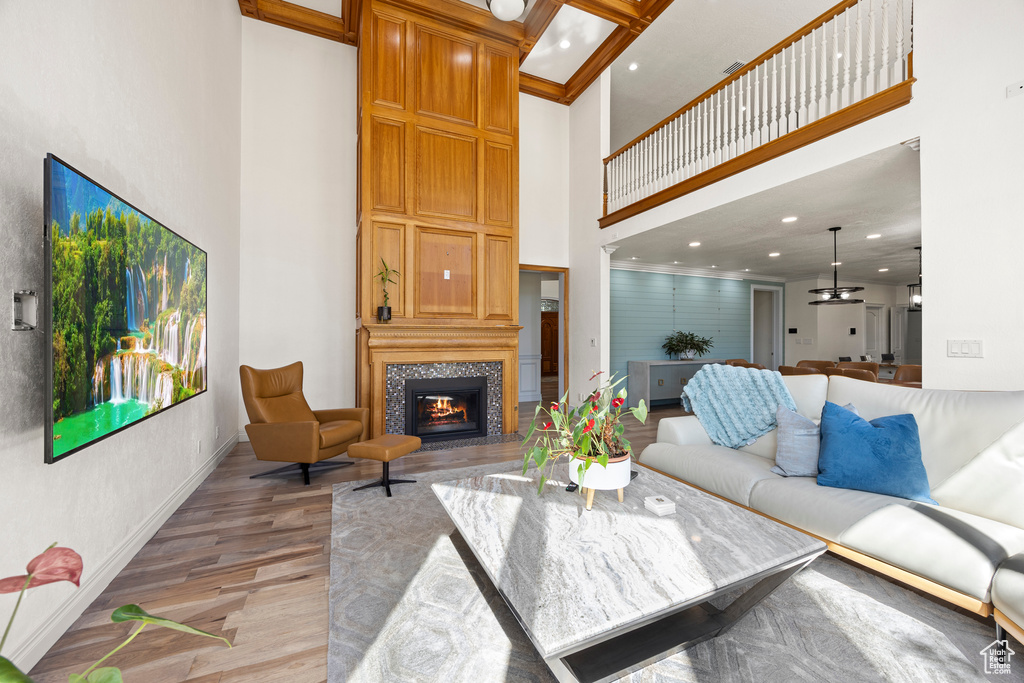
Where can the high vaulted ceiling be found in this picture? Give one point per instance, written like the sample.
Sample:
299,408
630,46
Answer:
564,45
876,194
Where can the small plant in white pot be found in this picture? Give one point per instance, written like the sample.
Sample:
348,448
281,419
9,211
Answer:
686,345
591,433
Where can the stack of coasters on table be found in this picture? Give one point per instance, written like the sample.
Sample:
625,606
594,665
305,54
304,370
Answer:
660,505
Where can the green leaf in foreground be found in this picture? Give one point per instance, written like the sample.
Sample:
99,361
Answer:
136,613
108,674
10,673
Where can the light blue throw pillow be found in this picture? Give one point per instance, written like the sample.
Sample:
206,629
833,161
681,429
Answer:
798,442
881,456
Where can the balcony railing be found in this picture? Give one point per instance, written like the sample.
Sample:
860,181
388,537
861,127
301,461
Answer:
850,64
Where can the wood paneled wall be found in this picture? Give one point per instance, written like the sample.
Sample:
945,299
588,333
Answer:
438,169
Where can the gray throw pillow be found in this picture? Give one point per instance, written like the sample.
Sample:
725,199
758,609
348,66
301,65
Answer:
799,441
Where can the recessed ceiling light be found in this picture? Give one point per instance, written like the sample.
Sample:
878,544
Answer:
746,270
694,244
565,45
874,237
714,266
676,262
633,258
774,254
789,219
633,66
839,54
883,270
837,263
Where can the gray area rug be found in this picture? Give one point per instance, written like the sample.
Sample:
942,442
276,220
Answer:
408,602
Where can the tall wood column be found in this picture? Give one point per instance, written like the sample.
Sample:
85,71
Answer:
438,192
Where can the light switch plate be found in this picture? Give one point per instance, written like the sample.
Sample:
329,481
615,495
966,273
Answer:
447,275
964,348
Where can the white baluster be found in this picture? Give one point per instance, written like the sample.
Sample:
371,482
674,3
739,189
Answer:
858,83
812,82
773,121
845,100
759,115
748,123
833,97
792,121
871,86
803,113
823,95
900,72
737,133
687,144
885,72
783,100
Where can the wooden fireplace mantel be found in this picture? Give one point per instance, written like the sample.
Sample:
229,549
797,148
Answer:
412,344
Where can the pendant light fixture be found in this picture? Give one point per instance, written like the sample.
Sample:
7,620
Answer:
915,289
507,10
835,294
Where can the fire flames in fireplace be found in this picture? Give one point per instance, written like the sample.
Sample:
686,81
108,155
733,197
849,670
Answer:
444,410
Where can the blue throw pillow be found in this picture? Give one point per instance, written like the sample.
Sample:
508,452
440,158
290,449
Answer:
881,456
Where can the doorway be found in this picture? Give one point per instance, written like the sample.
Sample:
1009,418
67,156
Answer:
766,325
543,339
873,328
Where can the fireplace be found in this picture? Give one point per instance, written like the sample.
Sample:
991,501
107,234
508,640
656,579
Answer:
448,408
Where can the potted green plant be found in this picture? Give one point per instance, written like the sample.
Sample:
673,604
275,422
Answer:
584,435
64,564
385,275
686,345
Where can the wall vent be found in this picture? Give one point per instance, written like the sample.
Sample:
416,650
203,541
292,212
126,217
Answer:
733,67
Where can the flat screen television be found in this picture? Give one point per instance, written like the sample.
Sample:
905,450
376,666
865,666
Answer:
127,305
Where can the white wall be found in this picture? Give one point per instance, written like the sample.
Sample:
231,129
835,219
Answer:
298,233
543,182
972,164
529,336
589,300
144,97
804,318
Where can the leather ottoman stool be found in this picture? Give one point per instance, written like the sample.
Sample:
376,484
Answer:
385,449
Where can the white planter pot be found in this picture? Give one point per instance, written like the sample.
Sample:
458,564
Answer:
614,476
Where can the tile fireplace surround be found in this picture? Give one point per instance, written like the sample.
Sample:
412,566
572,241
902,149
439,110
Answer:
398,373
396,352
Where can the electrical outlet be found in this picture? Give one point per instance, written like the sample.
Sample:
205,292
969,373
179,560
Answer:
799,341
593,341
447,275
661,382
199,447
1015,89
682,380
216,432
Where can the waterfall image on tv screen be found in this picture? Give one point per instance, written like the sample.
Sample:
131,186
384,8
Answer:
128,306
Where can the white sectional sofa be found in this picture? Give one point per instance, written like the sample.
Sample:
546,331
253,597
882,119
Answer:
972,446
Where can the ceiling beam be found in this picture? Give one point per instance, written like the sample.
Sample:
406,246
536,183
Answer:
542,87
297,17
537,21
621,12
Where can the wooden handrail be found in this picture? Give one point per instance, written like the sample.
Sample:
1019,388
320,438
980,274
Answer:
750,66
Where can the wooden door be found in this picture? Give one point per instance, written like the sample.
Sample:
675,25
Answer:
549,343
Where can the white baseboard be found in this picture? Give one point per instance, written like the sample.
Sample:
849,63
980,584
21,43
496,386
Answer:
529,396
43,638
242,436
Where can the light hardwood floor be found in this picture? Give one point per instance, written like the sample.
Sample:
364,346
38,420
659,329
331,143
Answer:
248,559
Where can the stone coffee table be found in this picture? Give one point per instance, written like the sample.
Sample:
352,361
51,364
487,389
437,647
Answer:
607,592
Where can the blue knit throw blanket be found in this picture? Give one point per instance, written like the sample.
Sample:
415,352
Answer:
736,405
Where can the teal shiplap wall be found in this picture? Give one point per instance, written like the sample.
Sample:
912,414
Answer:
647,307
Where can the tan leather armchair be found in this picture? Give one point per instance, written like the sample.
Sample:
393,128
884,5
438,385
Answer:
793,370
860,365
283,428
821,365
907,373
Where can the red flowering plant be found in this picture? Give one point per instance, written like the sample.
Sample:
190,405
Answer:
64,564
590,432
